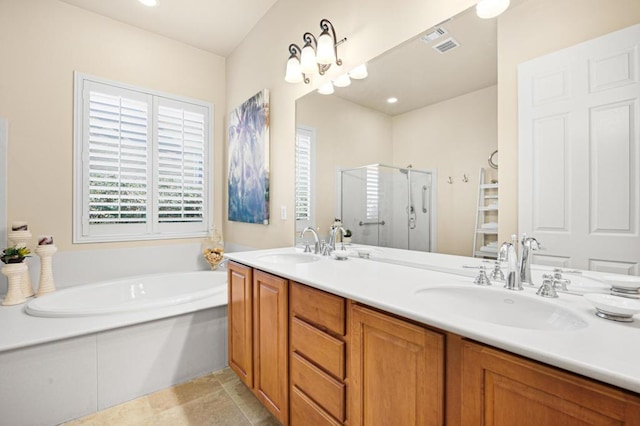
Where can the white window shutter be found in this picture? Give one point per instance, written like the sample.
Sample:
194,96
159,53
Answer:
181,161
304,178
142,164
372,192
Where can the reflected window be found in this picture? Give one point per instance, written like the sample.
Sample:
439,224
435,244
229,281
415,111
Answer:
372,192
305,176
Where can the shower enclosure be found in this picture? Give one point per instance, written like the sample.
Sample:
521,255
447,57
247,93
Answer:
388,206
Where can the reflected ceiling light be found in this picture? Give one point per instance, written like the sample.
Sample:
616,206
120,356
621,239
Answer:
487,9
326,89
342,81
316,55
392,100
149,3
359,72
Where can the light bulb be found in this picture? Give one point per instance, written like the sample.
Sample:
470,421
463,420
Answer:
308,63
342,81
326,54
487,9
359,72
392,100
149,3
326,89
293,73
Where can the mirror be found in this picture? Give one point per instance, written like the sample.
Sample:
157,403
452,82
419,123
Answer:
444,121
443,134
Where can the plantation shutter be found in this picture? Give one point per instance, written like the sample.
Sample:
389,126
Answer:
181,163
304,176
372,191
117,156
142,163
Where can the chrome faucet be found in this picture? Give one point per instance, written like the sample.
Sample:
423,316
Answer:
528,244
332,236
508,254
316,248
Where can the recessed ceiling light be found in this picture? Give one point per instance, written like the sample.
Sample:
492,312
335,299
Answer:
149,3
487,9
392,100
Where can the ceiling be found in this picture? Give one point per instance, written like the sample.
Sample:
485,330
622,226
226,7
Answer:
418,75
217,26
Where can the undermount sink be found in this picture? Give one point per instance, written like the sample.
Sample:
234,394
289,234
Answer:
288,258
498,306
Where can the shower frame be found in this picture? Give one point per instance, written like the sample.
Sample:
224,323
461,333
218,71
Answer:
432,201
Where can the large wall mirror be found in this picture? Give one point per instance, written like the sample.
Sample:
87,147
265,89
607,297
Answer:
446,119
432,142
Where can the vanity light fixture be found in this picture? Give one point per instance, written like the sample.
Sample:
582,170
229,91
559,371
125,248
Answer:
316,55
149,3
487,9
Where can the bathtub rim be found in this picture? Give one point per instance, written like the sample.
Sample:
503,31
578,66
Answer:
24,330
33,308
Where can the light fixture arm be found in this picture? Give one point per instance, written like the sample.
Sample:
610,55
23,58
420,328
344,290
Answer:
295,52
326,26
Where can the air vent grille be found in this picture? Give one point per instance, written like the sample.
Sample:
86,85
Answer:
434,34
446,45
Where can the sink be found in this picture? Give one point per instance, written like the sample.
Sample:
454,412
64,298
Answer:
288,258
498,306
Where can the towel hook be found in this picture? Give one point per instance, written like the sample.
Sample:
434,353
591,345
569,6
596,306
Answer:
465,178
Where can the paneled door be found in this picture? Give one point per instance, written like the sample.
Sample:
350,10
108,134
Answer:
579,153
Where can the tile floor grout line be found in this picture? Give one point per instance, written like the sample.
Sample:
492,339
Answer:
234,402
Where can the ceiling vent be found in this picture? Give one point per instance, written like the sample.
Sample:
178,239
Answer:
434,34
446,45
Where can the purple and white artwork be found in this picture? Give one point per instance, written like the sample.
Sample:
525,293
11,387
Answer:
249,160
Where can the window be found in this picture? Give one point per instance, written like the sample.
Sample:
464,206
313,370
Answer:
142,163
372,191
305,176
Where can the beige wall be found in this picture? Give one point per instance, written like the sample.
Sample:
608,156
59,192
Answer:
531,29
454,137
42,43
347,135
371,26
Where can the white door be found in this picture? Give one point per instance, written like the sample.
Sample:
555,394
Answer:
579,154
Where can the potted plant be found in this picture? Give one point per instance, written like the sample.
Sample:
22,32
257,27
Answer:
346,238
14,254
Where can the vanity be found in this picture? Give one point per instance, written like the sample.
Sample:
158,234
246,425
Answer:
327,342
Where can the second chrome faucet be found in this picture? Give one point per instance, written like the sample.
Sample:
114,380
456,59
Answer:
518,268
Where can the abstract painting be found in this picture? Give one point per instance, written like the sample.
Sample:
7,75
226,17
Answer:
249,160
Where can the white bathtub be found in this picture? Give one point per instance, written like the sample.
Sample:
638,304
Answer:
130,294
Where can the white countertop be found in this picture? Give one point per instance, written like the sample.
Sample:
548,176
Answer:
604,350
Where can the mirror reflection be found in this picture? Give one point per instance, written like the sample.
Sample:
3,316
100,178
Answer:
432,142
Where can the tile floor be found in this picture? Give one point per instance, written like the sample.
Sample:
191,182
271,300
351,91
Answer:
217,399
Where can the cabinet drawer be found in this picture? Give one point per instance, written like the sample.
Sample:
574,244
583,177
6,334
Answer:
324,310
326,391
324,350
305,412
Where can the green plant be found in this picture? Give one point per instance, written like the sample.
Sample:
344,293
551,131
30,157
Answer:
14,254
347,233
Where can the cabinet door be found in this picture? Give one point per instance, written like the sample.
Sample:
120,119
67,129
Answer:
396,371
504,389
270,315
239,312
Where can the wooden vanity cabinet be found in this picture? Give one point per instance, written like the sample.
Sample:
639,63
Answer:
397,371
258,335
318,342
498,388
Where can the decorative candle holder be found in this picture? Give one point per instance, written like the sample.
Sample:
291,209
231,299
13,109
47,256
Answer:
46,253
14,272
19,239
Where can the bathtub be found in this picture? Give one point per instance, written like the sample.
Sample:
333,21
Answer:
106,343
130,294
